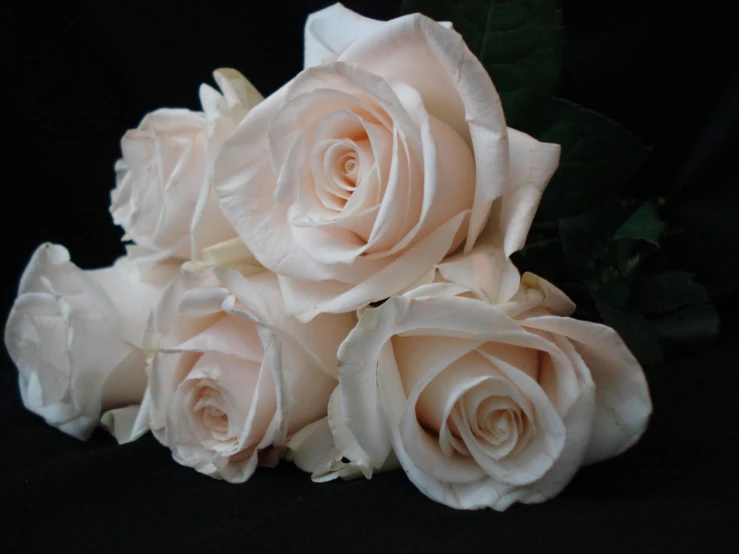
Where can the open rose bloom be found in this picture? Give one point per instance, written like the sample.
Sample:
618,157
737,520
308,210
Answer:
324,275
232,375
386,154
483,401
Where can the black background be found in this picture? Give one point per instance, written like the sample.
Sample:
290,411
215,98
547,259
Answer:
76,75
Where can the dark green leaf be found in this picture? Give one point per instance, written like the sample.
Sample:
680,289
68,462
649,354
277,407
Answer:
644,224
665,292
518,41
599,157
586,237
626,259
691,327
614,291
581,296
639,334
540,257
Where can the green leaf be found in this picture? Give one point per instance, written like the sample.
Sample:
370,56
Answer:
581,295
639,334
615,291
540,257
689,328
586,237
644,224
518,41
666,292
626,259
599,157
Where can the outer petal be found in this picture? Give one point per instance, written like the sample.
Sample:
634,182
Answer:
532,164
486,271
125,424
348,460
623,405
312,446
238,92
362,412
307,299
330,31
537,296
133,292
318,339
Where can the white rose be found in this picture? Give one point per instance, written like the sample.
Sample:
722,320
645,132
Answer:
163,198
233,375
482,404
76,337
378,160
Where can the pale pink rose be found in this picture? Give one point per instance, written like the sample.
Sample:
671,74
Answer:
232,375
382,157
482,403
164,198
77,336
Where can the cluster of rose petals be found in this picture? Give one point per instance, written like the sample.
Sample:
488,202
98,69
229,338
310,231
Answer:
483,400
164,198
77,337
324,275
387,153
232,375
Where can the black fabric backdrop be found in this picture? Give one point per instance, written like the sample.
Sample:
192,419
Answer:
76,75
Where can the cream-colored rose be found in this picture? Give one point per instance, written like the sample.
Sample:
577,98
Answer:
76,337
383,156
482,404
232,376
164,198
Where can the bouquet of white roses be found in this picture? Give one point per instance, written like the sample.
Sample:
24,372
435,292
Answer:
324,276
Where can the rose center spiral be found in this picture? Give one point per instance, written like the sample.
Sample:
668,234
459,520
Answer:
213,413
339,175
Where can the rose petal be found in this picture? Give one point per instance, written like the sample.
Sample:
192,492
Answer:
229,335
202,301
237,90
311,386
318,339
306,299
623,405
532,164
330,31
312,446
536,296
485,271
122,423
